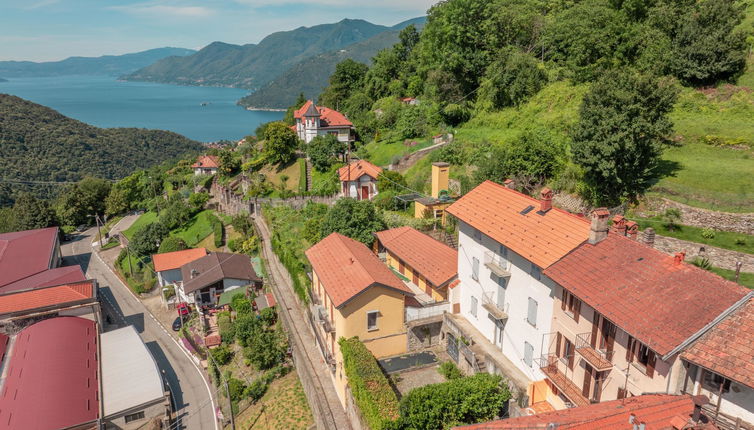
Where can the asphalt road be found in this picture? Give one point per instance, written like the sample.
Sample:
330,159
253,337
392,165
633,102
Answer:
191,396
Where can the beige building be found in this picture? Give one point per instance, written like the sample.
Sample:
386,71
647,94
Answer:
354,294
440,199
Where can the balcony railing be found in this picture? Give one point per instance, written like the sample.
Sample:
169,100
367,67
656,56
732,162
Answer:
600,360
555,370
492,307
497,264
321,317
414,314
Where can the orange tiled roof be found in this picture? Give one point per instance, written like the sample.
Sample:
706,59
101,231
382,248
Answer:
643,291
176,259
44,297
347,268
432,259
727,349
328,117
657,411
354,171
540,238
207,161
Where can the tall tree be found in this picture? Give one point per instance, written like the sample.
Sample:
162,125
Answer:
280,143
83,200
31,213
348,76
322,151
622,130
356,219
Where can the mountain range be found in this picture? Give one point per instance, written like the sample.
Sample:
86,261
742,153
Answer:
111,65
282,65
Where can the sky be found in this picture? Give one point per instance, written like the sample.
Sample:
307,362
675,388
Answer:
50,30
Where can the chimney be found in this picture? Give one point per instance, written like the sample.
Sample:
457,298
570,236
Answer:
649,237
440,173
510,183
598,231
194,273
545,200
699,401
619,225
632,229
679,257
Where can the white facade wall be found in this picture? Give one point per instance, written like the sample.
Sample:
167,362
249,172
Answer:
520,287
737,402
308,130
167,277
354,187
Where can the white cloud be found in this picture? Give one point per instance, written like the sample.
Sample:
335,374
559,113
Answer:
40,4
162,10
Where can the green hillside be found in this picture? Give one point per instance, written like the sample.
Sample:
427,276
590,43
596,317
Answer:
39,144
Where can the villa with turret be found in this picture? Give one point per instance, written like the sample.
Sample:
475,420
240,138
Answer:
313,121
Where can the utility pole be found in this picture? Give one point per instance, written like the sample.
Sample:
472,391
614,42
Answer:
230,402
130,268
99,230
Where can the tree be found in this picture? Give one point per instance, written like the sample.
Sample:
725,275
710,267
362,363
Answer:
511,80
323,149
198,200
280,143
177,212
622,130
117,201
241,223
356,219
390,180
172,244
240,304
267,348
288,118
147,240
83,200
229,163
32,213
347,77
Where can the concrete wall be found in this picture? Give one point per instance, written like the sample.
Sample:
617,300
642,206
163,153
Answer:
167,277
157,410
520,287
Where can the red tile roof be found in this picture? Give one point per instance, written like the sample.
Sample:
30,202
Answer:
328,117
643,291
540,238
207,162
48,278
657,411
347,268
19,301
52,378
727,349
432,259
3,345
356,170
176,259
26,253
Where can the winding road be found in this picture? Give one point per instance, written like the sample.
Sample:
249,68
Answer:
192,397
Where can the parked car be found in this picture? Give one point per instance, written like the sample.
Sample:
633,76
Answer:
179,321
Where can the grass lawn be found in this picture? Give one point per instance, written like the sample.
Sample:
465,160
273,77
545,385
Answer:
284,406
745,279
722,239
273,174
198,228
146,218
383,153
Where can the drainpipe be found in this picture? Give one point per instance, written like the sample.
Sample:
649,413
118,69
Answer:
670,376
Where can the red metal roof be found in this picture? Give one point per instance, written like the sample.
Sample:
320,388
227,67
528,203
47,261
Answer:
328,117
347,268
18,301
643,291
727,349
657,411
48,278
354,171
540,238
26,253
432,259
52,379
176,259
207,161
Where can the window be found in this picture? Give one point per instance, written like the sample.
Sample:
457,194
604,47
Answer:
712,382
477,235
643,358
535,272
571,305
568,354
372,320
528,354
531,316
475,268
134,417
473,305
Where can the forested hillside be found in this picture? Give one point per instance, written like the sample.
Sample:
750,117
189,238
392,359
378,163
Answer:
39,144
250,66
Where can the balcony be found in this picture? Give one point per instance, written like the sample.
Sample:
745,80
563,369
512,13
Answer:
490,306
497,264
321,317
416,316
554,368
599,360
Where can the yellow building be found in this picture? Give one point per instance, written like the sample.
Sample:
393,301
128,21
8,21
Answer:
440,199
427,263
354,294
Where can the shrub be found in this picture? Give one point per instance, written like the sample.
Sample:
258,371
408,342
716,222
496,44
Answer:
266,349
671,217
226,326
302,176
236,388
741,241
371,390
198,200
702,263
256,390
708,233
232,245
240,304
172,244
218,230
449,370
145,240
222,354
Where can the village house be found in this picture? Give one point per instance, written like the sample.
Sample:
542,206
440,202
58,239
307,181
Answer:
623,312
505,241
168,264
358,180
720,365
206,165
203,280
312,121
354,294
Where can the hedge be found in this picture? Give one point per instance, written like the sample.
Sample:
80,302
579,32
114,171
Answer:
371,390
302,178
217,228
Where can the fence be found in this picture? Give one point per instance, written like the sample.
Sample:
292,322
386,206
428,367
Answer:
429,311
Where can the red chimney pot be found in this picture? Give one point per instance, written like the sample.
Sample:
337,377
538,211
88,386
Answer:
545,202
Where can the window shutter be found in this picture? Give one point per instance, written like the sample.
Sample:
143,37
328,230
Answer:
557,345
528,354
571,355
629,349
651,360
565,298
576,309
595,324
532,314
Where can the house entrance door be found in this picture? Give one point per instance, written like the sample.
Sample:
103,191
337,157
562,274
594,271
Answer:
364,192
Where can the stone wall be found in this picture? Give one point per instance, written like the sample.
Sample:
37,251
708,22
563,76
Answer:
424,336
723,258
703,218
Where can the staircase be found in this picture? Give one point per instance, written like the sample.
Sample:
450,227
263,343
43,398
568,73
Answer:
481,364
308,175
444,237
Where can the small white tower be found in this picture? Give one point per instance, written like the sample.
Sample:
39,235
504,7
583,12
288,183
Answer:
311,123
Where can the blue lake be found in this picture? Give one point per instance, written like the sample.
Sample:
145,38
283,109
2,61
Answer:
105,102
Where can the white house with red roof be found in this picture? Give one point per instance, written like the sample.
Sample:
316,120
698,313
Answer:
358,180
313,121
206,165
